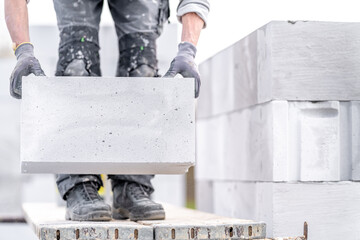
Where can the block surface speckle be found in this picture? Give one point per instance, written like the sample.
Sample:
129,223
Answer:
141,123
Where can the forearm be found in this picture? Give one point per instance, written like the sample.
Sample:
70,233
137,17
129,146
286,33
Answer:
192,26
16,17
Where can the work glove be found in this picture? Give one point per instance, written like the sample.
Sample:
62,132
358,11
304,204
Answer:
184,64
26,64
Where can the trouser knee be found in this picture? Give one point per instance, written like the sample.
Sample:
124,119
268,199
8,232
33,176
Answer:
78,52
137,55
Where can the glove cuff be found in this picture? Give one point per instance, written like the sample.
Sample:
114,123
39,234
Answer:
187,48
24,49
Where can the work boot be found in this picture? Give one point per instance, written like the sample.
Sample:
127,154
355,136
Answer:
131,200
83,203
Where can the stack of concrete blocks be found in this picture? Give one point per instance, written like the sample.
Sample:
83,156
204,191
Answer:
16,187
278,131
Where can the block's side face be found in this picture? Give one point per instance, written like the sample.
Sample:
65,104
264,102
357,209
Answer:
173,184
208,149
346,134
244,200
280,140
321,205
264,63
355,139
315,60
235,199
230,79
109,120
319,141
204,195
236,146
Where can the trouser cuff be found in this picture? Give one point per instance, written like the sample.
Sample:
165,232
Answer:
144,180
69,183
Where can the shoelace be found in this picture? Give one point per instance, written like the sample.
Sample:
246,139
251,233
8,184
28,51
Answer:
137,190
90,191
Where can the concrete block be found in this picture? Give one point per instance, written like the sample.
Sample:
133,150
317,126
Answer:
355,140
330,208
170,189
204,196
107,125
311,61
281,141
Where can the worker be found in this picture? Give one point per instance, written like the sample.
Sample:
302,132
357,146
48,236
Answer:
138,24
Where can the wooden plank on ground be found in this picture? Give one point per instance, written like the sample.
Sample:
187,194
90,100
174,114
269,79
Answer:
182,223
48,222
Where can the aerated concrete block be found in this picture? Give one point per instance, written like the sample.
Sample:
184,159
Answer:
204,195
170,189
107,125
331,209
311,61
281,141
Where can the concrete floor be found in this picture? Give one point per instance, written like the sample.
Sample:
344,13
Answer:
16,231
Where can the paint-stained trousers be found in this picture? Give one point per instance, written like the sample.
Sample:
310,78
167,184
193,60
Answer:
138,24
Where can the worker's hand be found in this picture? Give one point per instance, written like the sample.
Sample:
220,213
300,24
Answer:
26,64
184,64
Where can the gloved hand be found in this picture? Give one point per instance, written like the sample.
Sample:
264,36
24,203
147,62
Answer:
26,64
184,64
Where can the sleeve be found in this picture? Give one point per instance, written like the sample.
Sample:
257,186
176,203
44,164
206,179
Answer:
200,7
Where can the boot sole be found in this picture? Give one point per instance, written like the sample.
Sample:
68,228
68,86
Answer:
93,216
121,214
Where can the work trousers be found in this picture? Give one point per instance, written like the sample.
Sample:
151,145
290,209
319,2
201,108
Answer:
138,24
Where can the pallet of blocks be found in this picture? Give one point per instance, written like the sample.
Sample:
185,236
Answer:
278,133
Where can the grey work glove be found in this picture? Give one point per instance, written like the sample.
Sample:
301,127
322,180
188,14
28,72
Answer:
26,64
184,64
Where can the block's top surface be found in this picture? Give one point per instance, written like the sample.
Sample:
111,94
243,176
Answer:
86,86
283,60
106,120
